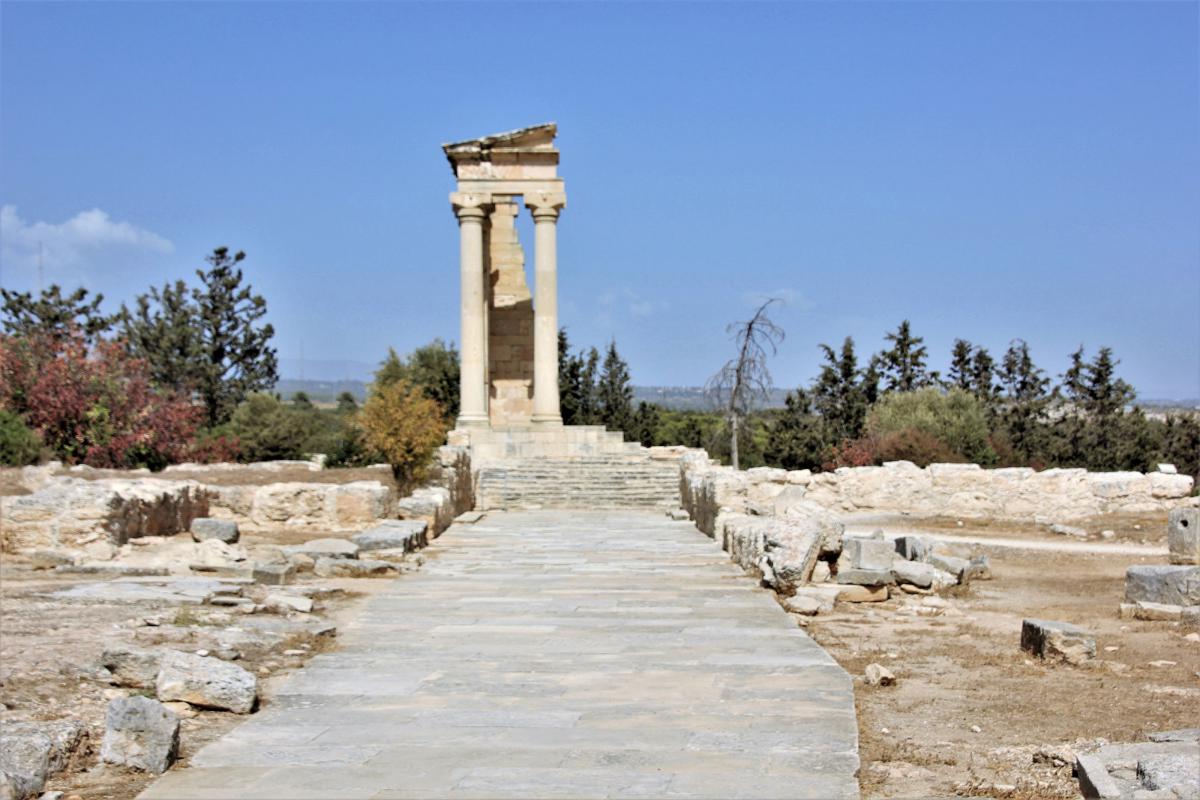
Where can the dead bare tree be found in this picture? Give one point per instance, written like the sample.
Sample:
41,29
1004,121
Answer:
745,379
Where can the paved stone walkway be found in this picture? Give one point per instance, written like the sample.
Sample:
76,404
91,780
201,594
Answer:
552,654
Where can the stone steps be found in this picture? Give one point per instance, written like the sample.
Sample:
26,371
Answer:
630,480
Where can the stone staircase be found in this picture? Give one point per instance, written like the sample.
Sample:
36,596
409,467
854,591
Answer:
608,481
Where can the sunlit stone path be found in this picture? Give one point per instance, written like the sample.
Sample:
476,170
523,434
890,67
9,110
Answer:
552,654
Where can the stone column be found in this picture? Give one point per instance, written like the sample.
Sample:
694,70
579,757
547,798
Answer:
471,212
545,207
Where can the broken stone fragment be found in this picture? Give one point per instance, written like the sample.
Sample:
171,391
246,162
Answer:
1177,585
1068,530
325,548
803,604
287,602
866,577
1156,612
1057,641
353,568
912,548
867,554
136,667
408,534
141,733
878,675
224,530
207,682
916,573
1183,536
49,559
852,593
952,564
273,574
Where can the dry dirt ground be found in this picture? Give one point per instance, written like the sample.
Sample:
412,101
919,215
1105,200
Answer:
49,651
973,715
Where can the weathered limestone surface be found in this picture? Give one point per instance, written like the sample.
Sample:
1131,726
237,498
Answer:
959,490
1057,641
560,654
140,733
1177,585
65,510
1183,536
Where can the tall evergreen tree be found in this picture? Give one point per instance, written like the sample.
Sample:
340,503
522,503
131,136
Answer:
615,395
590,407
904,364
206,338
646,422
838,393
983,378
961,367
1025,399
53,314
798,439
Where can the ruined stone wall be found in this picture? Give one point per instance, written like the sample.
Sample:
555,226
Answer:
61,511
951,490
69,511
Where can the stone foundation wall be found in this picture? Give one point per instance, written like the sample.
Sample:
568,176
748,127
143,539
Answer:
61,511
950,490
70,511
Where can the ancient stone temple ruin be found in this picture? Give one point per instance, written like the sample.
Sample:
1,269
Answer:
510,414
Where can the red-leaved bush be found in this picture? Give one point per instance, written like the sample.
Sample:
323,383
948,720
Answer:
95,405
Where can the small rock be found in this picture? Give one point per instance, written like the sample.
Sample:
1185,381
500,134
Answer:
140,733
325,548
204,528
1057,641
181,709
878,675
302,562
862,594
1108,534
976,729
1192,637
49,559
679,515
1162,662
803,604
1068,530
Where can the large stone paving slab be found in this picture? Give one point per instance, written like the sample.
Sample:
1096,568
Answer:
552,654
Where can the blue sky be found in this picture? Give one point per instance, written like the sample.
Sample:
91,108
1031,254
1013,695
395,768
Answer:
988,170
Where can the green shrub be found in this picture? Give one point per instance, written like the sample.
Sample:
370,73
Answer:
19,444
266,429
917,422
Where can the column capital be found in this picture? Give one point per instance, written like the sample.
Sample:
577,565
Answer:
545,205
470,205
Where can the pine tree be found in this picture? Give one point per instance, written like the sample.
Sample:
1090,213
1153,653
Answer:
614,394
1025,399
838,393
589,389
55,315
346,403
799,439
645,425
962,371
206,338
904,364
983,378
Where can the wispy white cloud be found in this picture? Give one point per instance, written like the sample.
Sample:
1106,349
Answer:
626,300
793,298
71,247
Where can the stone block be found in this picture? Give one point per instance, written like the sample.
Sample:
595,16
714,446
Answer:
206,682
1094,781
271,574
353,568
868,554
24,763
952,564
851,593
1177,585
1057,641
288,602
1183,536
324,548
912,548
1156,612
132,666
141,733
204,528
916,573
866,577
408,534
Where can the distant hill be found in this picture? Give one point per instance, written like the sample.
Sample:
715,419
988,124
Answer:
681,398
